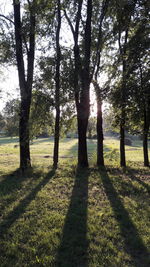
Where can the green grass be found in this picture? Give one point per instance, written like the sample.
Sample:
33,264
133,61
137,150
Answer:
70,217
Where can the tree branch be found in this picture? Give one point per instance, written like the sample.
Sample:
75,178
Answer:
3,16
70,24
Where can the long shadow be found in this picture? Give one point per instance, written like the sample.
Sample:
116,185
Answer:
128,188
133,242
21,207
13,181
72,251
134,178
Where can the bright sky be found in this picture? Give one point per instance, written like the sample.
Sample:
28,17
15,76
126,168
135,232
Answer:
8,76
8,85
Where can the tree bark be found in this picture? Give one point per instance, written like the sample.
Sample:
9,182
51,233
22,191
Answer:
95,73
82,142
146,117
57,91
100,137
122,142
145,139
24,83
83,108
82,79
123,98
25,161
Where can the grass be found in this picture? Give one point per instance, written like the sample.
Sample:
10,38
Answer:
71,217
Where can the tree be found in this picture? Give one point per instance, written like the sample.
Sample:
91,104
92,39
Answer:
139,74
57,89
123,31
25,77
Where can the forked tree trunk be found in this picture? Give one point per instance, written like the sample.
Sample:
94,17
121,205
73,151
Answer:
25,83
82,79
100,137
82,97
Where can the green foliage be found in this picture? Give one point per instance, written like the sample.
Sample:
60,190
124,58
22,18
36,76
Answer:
41,115
91,132
2,122
11,116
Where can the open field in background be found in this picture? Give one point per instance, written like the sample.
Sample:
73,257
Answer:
74,218
42,152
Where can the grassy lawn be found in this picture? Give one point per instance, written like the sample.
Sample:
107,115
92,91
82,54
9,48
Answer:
74,218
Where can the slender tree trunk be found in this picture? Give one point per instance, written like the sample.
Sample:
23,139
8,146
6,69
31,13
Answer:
146,116
95,72
56,138
100,137
123,51
122,143
57,91
123,119
145,139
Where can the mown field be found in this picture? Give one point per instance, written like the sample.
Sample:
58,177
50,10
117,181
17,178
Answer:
71,217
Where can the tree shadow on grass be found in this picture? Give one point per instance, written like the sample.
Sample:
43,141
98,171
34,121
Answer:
13,181
15,185
133,242
134,178
72,251
21,207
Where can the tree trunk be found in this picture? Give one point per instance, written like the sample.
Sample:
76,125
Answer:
84,105
56,138
82,79
122,143
145,140
25,161
100,137
24,83
57,91
82,142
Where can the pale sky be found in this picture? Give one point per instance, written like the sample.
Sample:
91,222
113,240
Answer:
8,76
8,85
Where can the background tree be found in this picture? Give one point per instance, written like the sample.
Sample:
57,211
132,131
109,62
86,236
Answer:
57,89
11,117
102,8
139,74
